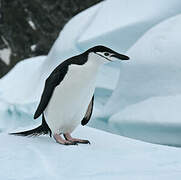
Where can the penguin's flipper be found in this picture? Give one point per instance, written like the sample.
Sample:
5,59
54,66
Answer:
52,81
88,114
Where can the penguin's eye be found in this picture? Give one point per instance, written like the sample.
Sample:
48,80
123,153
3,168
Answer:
106,54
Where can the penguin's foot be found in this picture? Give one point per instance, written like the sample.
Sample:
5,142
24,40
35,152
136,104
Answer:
60,140
69,138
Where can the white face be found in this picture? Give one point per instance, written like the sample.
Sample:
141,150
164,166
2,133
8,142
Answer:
105,55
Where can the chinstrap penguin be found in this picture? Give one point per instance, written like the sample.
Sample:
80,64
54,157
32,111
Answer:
68,96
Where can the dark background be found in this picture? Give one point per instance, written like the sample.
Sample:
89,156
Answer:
48,17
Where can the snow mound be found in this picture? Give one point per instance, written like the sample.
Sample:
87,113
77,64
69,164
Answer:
155,67
156,120
119,24
114,158
145,104
91,27
18,87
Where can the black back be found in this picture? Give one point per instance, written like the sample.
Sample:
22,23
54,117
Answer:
55,79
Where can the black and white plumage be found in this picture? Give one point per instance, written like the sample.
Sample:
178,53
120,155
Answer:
68,96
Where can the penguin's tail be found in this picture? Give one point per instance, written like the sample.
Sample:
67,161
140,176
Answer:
40,130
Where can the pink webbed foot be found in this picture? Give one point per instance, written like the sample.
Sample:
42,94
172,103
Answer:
60,140
68,137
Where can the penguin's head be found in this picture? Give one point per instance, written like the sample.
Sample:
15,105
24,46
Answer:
106,54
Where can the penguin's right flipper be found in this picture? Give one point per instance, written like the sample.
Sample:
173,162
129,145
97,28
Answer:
88,114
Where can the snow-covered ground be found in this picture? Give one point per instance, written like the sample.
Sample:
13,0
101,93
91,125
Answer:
144,104
108,157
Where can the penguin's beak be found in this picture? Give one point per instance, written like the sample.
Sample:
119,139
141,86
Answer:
120,56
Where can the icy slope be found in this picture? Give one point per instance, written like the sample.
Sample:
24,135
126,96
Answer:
155,69
146,102
108,157
18,87
119,24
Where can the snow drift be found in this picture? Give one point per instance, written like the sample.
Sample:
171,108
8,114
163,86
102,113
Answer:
149,88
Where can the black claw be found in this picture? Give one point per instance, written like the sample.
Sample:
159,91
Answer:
75,143
72,143
83,142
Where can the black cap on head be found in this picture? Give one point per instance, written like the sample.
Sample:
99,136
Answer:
101,48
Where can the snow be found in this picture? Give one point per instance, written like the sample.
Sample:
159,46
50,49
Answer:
83,25
130,20
5,55
144,104
154,69
20,80
155,120
32,24
149,87
33,47
114,158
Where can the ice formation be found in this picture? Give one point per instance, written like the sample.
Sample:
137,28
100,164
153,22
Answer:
149,88
144,105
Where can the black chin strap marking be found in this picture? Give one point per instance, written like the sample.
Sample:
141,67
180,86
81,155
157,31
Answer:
104,57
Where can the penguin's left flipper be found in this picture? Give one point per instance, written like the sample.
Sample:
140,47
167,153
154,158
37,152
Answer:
52,81
88,114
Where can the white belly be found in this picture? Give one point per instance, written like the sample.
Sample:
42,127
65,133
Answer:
71,98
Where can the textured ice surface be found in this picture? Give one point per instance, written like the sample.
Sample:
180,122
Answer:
154,69
155,120
108,157
155,72
119,24
18,86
